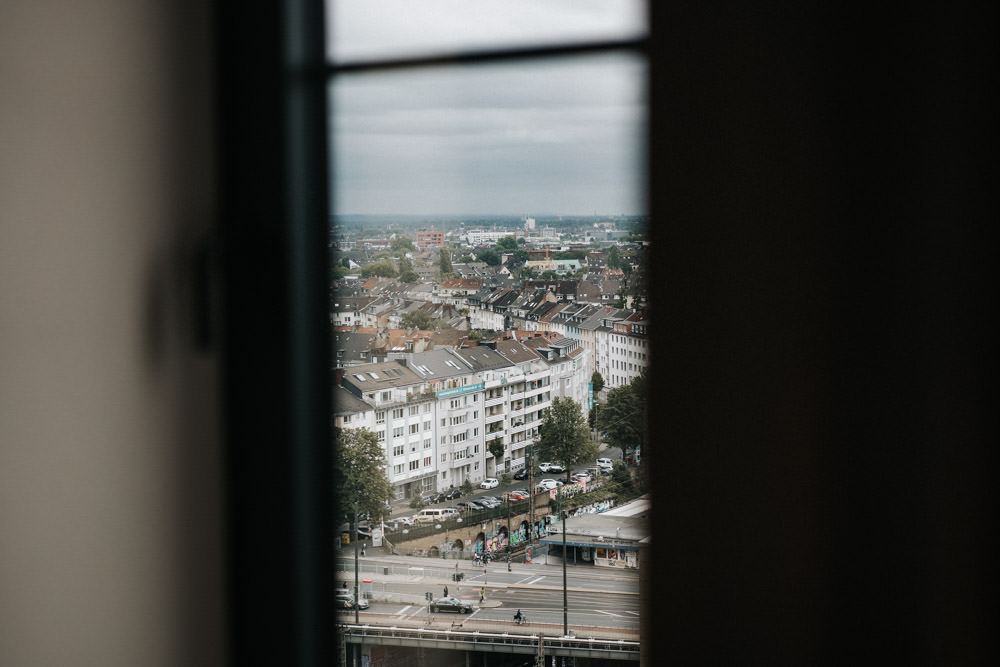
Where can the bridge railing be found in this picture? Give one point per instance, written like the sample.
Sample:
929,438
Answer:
523,643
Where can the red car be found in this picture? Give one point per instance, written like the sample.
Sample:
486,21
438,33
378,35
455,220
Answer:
517,495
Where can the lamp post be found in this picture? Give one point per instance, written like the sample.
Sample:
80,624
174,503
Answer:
356,598
565,599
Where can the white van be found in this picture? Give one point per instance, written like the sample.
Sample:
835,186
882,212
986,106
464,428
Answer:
430,515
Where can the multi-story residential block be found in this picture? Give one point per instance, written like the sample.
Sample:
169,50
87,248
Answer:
629,352
403,404
429,239
458,398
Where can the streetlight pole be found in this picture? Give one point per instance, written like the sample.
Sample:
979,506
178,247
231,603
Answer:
356,598
565,599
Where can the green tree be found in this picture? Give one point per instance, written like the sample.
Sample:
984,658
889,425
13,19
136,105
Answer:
401,244
623,417
382,268
564,436
592,418
406,272
337,272
598,381
489,256
614,260
507,244
621,475
474,335
445,260
496,448
417,319
525,273
466,487
359,472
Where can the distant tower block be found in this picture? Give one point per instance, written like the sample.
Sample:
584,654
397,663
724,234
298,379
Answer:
529,224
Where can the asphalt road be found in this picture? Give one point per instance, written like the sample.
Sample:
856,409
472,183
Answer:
597,599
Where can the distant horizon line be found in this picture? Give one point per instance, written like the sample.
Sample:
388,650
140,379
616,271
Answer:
508,215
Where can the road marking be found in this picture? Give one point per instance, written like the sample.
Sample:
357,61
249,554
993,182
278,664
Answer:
402,611
608,613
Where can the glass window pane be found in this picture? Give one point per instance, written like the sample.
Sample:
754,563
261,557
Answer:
561,136
366,29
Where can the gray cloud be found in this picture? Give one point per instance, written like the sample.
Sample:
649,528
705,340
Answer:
381,28
550,136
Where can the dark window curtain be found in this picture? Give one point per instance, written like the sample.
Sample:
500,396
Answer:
822,202
273,240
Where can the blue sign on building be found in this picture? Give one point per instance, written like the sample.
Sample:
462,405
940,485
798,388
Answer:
460,390
590,395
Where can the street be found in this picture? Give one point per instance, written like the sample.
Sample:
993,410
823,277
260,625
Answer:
599,601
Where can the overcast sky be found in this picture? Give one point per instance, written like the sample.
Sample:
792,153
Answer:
560,136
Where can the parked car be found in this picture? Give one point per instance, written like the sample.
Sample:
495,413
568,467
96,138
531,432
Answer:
521,474
551,467
547,484
517,494
489,483
604,463
431,515
365,532
344,599
453,494
489,501
451,604
582,476
437,498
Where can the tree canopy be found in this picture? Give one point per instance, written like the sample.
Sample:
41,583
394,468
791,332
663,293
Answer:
406,272
382,268
445,261
489,256
507,243
623,417
496,448
598,380
359,472
401,244
614,259
417,319
564,436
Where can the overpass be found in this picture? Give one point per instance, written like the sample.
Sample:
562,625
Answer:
494,642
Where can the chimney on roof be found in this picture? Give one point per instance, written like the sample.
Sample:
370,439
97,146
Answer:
338,375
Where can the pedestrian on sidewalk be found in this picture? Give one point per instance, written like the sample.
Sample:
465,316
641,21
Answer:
365,544
482,595
446,590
